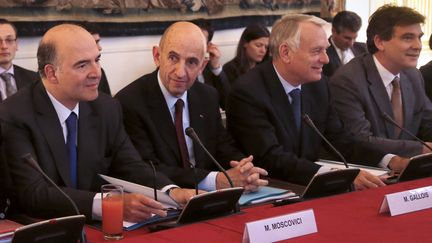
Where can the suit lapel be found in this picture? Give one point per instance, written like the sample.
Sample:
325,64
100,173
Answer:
18,77
408,98
161,116
88,139
281,102
378,92
197,117
48,122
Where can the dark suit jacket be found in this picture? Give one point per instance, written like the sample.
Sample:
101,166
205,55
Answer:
426,71
361,99
103,84
150,126
232,70
334,61
220,83
24,76
260,118
30,125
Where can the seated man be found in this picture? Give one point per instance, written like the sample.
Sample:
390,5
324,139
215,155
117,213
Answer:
266,105
74,134
386,81
159,106
213,74
12,77
343,46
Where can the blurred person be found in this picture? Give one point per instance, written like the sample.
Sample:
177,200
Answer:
252,49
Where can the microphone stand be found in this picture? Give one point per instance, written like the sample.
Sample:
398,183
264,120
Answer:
311,124
29,159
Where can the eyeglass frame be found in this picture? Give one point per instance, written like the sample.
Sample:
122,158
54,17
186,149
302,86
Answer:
8,41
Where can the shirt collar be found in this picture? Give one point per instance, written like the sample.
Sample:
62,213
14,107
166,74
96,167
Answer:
286,85
169,98
62,111
386,76
10,70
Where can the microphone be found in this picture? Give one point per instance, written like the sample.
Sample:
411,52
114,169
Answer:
389,119
29,159
311,124
191,133
154,179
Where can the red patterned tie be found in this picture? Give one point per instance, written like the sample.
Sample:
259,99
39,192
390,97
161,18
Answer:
178,120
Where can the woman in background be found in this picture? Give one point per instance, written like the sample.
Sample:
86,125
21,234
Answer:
252,49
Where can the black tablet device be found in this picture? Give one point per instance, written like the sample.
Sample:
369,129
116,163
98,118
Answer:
330,183
65,230
211,204
419,166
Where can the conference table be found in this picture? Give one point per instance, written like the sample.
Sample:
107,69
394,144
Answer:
349,217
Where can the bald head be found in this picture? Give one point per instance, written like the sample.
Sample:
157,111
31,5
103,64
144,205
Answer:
49,48
68,60
180,57
183,32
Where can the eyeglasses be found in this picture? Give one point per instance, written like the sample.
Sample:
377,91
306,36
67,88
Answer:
8,41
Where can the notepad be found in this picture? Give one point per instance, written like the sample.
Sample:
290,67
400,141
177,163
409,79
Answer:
264,194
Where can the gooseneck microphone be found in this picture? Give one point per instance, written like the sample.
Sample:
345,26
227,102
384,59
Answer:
154,179
29,159
191,133
392,121
311,124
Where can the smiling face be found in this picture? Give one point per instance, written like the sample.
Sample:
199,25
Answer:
8,45
76,73
180,57
305,64
402,50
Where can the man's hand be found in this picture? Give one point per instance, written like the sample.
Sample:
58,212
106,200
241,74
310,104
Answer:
182,196
397,164
426,149
243,174
215,55
138,207
366,180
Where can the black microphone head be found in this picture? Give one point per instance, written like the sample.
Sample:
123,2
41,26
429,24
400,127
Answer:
189,131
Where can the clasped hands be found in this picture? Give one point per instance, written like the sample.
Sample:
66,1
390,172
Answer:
243,174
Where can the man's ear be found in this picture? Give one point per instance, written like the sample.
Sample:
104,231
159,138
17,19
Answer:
285,53
50,73
379,43
156,55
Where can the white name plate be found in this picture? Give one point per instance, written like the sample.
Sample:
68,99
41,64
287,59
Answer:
281,227
407,201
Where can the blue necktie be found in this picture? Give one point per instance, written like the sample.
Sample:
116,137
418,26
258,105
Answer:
71,124
296,106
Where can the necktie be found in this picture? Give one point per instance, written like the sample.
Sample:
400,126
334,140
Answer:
10,89
296,106
178,120
396,101
71,125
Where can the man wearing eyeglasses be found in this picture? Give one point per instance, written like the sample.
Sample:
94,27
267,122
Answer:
12,77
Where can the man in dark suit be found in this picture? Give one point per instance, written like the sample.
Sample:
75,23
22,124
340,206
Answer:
366,88
13,77
157,128
74,133
265,107
213,74
343,46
